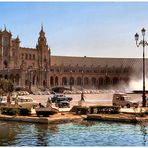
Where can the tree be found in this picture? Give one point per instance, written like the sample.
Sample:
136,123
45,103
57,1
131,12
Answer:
6,86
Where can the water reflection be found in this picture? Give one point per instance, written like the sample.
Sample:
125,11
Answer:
43,132
53,128
143,132
42,138
7,133
80,133
85,123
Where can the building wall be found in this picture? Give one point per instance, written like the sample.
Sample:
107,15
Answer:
36,67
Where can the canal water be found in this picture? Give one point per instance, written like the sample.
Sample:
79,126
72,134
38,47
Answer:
83,133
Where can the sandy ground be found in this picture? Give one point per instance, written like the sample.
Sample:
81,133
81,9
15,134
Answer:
90,99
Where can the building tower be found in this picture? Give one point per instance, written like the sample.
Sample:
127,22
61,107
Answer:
5,49
43,53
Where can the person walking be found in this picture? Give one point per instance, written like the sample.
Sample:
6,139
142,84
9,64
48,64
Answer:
16,100
9,99
82,97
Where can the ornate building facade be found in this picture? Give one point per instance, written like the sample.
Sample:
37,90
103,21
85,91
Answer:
36,67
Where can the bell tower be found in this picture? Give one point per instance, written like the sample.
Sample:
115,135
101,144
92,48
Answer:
43,58
43,51
5,48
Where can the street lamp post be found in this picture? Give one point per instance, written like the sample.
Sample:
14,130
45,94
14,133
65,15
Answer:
143,43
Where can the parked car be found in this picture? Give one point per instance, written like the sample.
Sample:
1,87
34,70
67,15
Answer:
122,99
63,104
23,101
3,100
60,97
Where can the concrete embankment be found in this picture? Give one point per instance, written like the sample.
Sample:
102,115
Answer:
131,118
59,118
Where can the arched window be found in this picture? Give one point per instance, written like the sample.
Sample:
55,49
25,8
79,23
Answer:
93,81
56,81
17,77
79,81
37,80
100,81
107,81
11,78
64,81
51,81
86,81
33,80
115,80
6,76
72,81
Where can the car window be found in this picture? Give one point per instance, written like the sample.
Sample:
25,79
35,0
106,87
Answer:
127,98
117,98
3,99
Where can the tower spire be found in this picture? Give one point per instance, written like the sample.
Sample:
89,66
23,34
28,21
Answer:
5,28
41,27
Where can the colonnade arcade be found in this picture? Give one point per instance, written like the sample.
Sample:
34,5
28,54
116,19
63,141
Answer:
15,78
65,76
94,82
91,77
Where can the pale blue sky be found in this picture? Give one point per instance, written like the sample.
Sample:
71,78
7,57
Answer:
98,29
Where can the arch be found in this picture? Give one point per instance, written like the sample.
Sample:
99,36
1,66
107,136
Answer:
115,80
37,80
44,83
79,81
72,80
51,81
33,80
64,81
12,78
101,81
26,82
6,76
6,64
56,81
17,77
93,81
108,82
86,81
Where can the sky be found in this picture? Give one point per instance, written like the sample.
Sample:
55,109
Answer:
92,29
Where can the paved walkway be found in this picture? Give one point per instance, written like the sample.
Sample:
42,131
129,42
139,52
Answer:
134,110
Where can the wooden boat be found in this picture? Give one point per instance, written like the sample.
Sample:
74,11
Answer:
46,111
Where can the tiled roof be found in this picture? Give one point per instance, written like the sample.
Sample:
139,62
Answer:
95,61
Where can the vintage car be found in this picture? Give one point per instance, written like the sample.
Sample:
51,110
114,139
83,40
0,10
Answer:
3,100
23,101
122,99
60,97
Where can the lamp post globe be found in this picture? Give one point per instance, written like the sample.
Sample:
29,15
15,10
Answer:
136,37
143,31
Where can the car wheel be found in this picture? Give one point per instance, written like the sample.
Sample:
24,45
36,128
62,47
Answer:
128,106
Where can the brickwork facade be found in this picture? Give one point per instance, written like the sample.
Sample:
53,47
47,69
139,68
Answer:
37,67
